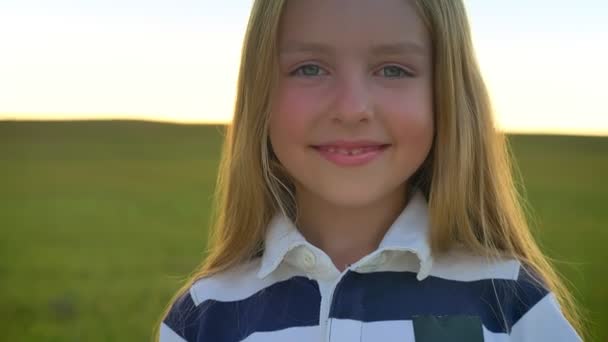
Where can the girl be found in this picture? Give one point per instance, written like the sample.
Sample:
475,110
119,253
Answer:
364,193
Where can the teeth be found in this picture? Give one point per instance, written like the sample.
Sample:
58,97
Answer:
351,152
343,151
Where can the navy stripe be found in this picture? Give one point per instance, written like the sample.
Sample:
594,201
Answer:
382,296
530,291
291,303
182,318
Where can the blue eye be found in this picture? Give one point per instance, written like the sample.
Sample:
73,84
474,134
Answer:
308,70
393,71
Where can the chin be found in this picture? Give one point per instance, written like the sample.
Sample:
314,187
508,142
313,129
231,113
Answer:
352,197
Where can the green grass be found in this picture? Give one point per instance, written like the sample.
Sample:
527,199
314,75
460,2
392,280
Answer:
101,221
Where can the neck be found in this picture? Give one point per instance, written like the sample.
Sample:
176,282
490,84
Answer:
346,234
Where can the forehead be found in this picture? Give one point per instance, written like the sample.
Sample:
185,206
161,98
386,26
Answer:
351,24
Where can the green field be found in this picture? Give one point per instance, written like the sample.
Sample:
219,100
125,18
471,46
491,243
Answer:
101,222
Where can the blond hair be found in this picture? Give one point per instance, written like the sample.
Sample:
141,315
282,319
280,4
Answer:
467,177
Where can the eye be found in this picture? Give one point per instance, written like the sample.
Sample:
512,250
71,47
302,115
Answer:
308,70
394,71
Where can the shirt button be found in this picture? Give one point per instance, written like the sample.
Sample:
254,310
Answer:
308,259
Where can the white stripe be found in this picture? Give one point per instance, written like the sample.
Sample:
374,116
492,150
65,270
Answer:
344,330
290,334
544,322
389,331
238,283
462,266
242,282
168,335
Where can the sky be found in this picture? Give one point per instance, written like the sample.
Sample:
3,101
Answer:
543,60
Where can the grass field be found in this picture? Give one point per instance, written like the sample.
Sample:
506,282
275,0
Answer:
101,221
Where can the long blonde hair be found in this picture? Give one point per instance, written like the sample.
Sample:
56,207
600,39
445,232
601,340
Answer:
467,177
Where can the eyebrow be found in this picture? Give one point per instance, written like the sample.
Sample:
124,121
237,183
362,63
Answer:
379,49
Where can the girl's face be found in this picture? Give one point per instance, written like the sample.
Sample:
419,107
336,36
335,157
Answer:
352,117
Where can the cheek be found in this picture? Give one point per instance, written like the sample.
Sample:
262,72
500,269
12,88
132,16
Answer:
410,119
292,115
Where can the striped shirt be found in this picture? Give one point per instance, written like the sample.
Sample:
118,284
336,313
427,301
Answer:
399,292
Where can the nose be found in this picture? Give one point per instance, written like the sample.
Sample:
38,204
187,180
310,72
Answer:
352,100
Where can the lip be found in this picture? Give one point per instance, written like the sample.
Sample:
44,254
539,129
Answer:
350,144
367,152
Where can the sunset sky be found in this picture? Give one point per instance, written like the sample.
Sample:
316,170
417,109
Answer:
544,60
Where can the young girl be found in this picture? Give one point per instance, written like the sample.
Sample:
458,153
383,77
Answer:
364,192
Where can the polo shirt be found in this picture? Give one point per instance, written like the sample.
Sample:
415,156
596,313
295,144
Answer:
399,292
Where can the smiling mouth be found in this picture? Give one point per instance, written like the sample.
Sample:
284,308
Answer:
350,151
351,156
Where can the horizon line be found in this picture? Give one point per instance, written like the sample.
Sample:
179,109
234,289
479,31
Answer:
15,117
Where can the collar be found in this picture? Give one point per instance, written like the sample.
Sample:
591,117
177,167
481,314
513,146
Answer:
408,233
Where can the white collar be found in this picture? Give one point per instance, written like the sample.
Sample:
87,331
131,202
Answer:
409,233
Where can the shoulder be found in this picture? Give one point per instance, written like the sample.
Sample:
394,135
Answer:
211,302
506,288
189,311
504,274
460,265
180,322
